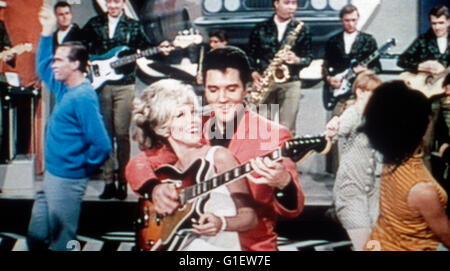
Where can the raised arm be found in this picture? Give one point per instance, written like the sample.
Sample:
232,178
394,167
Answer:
44,56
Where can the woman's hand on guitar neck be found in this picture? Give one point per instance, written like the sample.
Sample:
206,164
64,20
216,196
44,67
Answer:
165,198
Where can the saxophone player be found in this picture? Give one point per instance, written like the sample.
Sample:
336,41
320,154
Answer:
266,40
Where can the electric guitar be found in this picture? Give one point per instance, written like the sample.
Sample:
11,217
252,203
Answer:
18,49
429,84
331,95
112,65
157,232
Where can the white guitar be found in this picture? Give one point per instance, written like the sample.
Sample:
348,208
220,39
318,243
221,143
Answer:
429,84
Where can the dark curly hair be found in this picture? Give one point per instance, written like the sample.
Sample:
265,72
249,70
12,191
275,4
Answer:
396,119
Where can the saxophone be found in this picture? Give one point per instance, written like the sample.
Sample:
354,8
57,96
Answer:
276,72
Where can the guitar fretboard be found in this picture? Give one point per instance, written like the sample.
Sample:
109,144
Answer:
295,148
132,58
372,57
235,174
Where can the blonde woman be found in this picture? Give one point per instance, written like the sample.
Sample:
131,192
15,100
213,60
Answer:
166,114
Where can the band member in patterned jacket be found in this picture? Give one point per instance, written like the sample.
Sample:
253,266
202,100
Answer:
430,52
342,48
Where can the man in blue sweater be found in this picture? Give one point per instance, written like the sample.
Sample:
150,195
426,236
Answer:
76,144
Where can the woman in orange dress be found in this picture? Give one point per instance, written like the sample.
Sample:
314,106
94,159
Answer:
412,204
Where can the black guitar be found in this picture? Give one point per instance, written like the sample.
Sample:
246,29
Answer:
156,232
331,96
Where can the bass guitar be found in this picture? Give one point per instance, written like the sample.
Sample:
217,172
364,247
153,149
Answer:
331,95
429,84
157,232
112,65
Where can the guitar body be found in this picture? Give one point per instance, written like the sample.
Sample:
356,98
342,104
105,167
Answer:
331,95
426,83
170,232
101,70
203,191
159,231
329,101
346,85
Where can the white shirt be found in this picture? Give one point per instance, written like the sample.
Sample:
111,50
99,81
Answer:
349,39
112,24
442,44
61,34
281,27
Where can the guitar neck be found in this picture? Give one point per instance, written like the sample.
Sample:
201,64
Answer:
230,176
370,58
295,148
132,58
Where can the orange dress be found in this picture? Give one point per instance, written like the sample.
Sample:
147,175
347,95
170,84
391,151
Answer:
399,227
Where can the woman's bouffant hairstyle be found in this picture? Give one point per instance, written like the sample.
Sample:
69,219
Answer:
366,81
396,119
153,110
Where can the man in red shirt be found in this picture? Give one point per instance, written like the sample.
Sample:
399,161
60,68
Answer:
275,186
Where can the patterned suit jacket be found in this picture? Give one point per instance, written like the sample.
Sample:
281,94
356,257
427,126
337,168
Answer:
264,45
423,48
336,60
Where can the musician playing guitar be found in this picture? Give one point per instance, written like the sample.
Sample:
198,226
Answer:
341,49
103,33
167,114
275,188
430,52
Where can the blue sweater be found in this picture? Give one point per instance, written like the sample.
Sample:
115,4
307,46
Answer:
76,142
